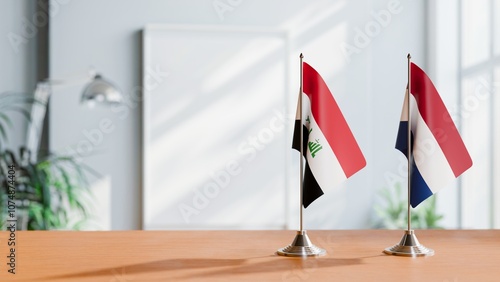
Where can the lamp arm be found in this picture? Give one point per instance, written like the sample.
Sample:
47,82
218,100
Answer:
38,111
71,81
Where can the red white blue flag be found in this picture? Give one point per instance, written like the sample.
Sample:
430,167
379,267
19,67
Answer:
330,149
439,154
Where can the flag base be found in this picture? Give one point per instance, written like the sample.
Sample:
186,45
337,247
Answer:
301,247
409,247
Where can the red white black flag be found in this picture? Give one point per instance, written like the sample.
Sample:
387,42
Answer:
330,149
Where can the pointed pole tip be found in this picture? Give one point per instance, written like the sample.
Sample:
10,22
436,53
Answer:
409,56
301,56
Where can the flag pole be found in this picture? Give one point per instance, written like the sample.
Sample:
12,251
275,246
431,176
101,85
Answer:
409,140
301,172
301,245
409,246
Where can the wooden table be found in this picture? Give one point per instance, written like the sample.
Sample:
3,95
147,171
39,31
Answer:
247,256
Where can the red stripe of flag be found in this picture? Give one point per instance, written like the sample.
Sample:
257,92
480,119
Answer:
437,118
329,118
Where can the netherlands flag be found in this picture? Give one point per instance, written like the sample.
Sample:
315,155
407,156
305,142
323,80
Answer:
330,150
438,152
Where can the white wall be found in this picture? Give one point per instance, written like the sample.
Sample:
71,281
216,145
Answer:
368,86
17,58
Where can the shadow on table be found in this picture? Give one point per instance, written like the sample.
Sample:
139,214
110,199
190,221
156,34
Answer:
288,266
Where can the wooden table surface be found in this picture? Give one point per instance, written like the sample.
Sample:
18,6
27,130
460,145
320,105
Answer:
116,256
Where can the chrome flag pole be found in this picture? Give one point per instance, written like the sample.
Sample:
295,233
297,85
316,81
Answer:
301,245
409,245
301,172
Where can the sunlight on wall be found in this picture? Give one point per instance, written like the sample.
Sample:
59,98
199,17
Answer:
226,68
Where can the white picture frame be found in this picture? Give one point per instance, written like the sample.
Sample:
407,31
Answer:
216,127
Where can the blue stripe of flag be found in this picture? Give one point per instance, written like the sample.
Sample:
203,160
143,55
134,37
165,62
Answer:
419,188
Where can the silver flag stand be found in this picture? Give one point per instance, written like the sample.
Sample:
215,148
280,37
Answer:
301,245
409,245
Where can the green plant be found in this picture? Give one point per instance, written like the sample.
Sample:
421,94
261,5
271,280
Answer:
53,192
393,213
